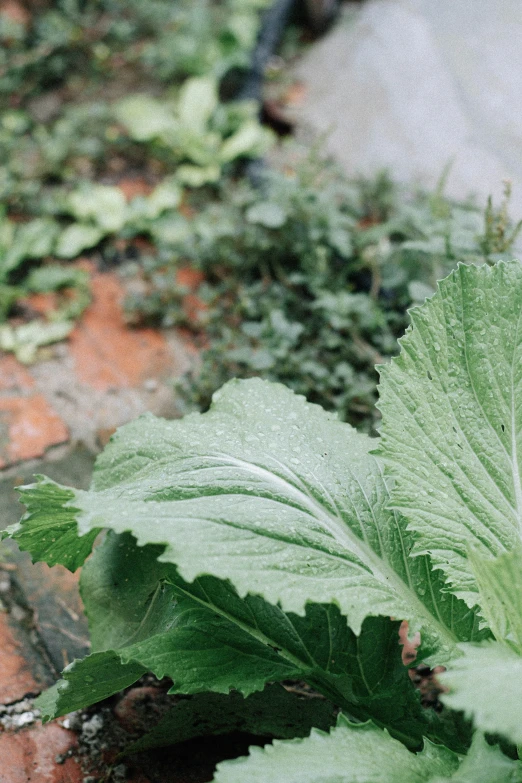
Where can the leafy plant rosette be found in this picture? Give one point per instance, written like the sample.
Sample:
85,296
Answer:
266,540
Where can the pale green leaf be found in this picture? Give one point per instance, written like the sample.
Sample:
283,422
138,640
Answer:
102,675
452,420
351,753
486,684
267,213
34,239
170,229
24,340
54,277
197,176
277,496
144,117
250,140
77,237
198,99
103,204
166,195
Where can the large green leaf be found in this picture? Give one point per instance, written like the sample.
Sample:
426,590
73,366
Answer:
351,753
206,638
125,593
452,420
275,495
273,712
361,753
486,683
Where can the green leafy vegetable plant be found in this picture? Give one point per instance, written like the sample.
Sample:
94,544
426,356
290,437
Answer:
267,541
198,131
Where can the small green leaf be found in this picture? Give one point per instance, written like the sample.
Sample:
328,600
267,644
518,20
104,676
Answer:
102,675
31,240
198,99
197,176
52,536
102,204
144,117
251,140
166,195
267,213
419,291
24,340
53,277
76,238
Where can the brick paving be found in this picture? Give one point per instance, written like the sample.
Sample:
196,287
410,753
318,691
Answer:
71,400
103,376
28,423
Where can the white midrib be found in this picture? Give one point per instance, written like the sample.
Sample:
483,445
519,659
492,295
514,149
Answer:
516,472
514,450
342,534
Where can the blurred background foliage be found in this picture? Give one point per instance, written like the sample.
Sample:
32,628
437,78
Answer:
121,138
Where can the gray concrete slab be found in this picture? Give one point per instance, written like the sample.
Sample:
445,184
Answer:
414,85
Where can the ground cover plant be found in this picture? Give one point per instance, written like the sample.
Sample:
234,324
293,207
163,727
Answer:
267,541
308,278
75,80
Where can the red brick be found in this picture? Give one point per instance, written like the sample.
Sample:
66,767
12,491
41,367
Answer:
13,376
29,756
189,278
144,245
134,186
42,304
109,355
14,12
409,646
30,426
17,677
193,305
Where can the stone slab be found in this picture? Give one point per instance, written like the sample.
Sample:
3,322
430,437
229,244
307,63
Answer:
416,86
